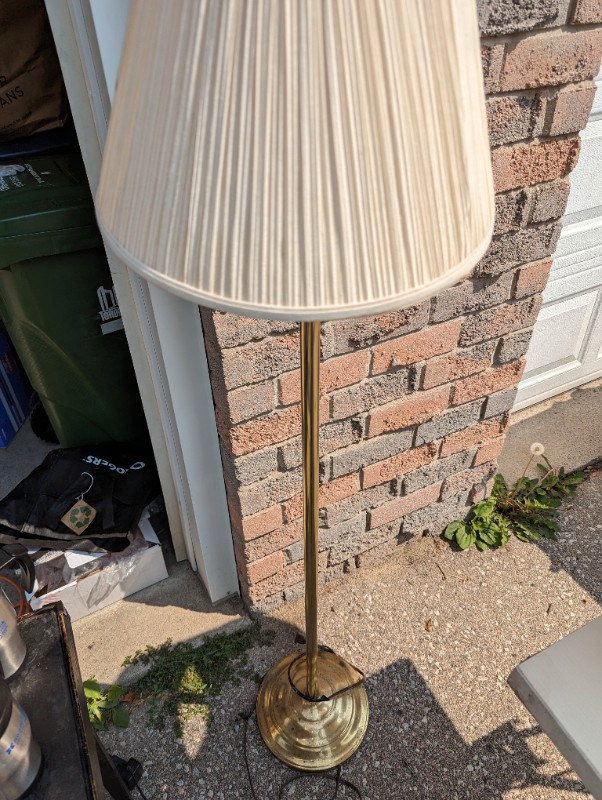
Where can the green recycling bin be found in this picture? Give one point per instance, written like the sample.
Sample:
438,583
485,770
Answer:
58,302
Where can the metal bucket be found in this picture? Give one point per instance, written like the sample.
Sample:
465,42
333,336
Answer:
20,756
12,646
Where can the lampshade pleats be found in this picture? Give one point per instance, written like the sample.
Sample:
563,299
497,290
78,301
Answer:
305,159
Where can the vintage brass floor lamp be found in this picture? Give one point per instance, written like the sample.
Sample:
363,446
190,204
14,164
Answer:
308,160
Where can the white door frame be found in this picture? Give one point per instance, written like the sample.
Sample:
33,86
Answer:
164,332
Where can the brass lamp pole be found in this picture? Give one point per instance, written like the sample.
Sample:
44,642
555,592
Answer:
312,708
310,417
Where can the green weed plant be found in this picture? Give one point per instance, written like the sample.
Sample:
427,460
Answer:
181,677
529,510
105,708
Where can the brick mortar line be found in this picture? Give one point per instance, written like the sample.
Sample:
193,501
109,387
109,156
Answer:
572,7
546,139
550,87
514,285
278,389
530,226
541,139
528,189
550,111
254,340
534,91
556,30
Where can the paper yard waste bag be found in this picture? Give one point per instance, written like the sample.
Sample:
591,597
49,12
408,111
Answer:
32,92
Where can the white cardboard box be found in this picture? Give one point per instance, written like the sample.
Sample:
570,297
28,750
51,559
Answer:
109,584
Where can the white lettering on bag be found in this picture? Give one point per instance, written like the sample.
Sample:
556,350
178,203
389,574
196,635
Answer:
100,462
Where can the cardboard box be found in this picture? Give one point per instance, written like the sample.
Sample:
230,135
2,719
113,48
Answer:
14,399
110,583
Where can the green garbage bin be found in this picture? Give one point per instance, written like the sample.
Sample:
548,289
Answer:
58,303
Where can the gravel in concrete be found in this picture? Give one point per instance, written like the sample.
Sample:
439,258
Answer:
438,631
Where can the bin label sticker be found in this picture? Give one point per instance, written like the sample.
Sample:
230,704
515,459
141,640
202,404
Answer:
34,174
110,314
4,186
9,176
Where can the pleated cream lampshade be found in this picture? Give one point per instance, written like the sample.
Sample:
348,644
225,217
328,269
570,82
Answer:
299,159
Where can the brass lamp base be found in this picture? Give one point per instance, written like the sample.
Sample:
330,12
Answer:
312,736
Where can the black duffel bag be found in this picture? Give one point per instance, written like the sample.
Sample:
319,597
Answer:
86,498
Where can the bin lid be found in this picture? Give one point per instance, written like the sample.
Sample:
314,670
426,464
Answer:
47,199
56,140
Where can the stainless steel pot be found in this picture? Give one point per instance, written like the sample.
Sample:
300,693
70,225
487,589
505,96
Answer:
12,646
20,756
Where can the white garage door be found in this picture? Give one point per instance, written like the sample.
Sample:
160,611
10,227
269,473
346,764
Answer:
566,348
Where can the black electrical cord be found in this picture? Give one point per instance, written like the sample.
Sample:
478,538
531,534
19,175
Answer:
245,726
324,698
130,772
321,775
300,639
336,778
142,795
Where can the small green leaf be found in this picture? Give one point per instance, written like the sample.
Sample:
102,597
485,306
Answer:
121,718
452,529
499,485
465,537
115,692
489,533
534,534
106,704
92,689
480,544
484,509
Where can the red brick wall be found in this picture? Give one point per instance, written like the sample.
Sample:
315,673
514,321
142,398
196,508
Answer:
415,403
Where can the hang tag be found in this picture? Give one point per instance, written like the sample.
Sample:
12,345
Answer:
79,517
